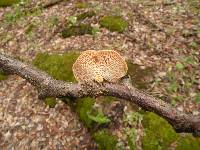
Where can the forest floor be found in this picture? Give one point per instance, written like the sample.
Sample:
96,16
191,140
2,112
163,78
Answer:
162,35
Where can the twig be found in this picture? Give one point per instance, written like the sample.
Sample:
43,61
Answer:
49,87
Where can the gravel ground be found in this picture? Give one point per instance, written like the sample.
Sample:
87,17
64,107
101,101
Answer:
26,123
158,36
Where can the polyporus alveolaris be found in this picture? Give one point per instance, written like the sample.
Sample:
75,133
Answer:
100,65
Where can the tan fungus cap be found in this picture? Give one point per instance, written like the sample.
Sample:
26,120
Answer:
99,66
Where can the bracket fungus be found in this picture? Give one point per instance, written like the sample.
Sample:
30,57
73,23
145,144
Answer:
99,66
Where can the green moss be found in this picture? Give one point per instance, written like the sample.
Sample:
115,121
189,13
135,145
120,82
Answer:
105,140
3,75
188,142
138,75
114,23
76,30
85,15
90,116
98,117
82,5
51,102
83,107
74,27
58,66
160,135
8,2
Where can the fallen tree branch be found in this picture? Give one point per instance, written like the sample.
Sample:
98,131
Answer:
49,87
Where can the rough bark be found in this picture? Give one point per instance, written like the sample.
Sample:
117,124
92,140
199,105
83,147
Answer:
49,87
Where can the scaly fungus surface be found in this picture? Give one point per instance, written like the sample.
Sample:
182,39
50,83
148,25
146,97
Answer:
103,65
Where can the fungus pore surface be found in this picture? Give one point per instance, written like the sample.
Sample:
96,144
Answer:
100,65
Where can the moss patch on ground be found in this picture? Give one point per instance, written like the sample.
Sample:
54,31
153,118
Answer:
83,106
114,23
56,65
160,135
105,140
8,2
51,102
76,30
91,116
82,5
188,142
85,15
3,75
75,27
